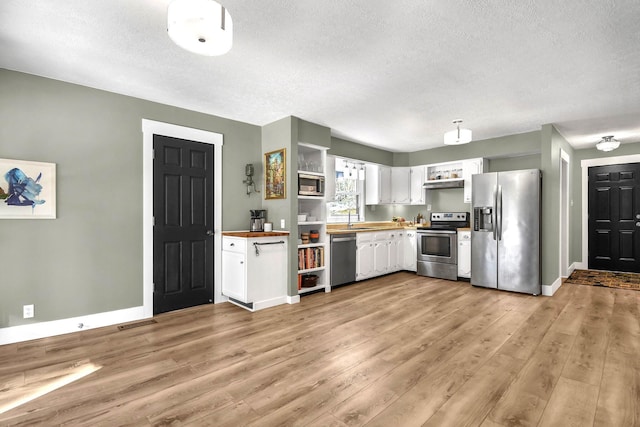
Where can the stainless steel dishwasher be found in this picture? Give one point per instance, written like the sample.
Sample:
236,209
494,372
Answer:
343,258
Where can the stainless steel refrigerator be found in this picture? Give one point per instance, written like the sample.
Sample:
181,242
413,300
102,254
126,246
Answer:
505,236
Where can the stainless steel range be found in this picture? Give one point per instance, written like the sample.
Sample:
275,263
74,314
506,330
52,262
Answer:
438,245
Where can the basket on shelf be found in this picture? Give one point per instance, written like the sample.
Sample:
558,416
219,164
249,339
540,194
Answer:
309,280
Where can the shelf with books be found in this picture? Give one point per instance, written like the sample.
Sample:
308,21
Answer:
311,257
313,247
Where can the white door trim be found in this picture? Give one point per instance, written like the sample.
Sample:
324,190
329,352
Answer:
565,167
150,128
586,164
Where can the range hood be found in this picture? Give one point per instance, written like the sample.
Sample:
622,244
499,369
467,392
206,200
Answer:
443,183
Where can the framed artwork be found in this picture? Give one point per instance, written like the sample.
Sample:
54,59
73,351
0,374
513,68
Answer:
275,174
27,190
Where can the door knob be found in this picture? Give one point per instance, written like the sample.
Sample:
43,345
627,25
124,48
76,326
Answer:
210,233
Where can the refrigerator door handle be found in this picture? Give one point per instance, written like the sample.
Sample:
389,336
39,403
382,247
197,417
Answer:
499,212
494,212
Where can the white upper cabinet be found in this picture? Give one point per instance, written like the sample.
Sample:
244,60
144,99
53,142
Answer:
405,185
416,182
470,167
385,184
378,185
400,185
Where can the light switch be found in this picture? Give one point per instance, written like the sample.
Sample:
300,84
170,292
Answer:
282,223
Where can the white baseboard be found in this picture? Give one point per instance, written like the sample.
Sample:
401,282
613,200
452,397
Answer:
269,303
34,331
549,290
293,299
581,266
572,268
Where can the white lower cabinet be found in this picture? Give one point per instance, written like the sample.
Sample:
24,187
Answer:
464,254
410,254
380,258
254,271
382,253
364,260
396,251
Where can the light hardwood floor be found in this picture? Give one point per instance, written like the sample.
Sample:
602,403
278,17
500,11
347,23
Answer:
399,350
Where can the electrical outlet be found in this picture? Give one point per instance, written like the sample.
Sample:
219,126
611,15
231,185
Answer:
27,311
282,223
428,207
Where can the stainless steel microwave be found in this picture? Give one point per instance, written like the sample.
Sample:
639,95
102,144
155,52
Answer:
310,185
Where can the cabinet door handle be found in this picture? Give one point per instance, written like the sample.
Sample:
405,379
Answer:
232,244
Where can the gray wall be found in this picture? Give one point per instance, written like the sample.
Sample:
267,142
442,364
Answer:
506,146
89,259
552,142
514,163
353,150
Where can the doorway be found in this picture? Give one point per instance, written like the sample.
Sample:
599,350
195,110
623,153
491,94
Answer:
151,128
614,217
183,223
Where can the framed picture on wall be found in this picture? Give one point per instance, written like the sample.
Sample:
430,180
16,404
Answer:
27,190
275,174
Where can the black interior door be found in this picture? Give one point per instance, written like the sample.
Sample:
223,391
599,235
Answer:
183,223
614,217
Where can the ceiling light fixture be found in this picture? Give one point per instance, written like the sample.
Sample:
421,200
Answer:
200,26
458,136
608,143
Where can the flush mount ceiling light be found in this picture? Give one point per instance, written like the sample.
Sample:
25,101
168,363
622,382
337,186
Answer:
200,26
458,136
608,143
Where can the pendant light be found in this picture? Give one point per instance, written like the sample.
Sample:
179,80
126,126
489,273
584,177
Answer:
200,26
608,143
458,136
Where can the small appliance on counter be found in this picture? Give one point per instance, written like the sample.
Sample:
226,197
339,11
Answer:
258,218
438,245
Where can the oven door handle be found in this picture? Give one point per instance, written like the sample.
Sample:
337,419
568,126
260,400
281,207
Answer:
427,232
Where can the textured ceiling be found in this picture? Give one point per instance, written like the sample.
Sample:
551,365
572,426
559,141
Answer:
387,74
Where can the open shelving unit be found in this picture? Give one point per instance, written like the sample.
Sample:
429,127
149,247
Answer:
312,161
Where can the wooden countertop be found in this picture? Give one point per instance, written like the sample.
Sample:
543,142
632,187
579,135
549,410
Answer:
253,234
366,227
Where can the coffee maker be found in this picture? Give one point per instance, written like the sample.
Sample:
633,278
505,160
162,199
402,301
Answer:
258,217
